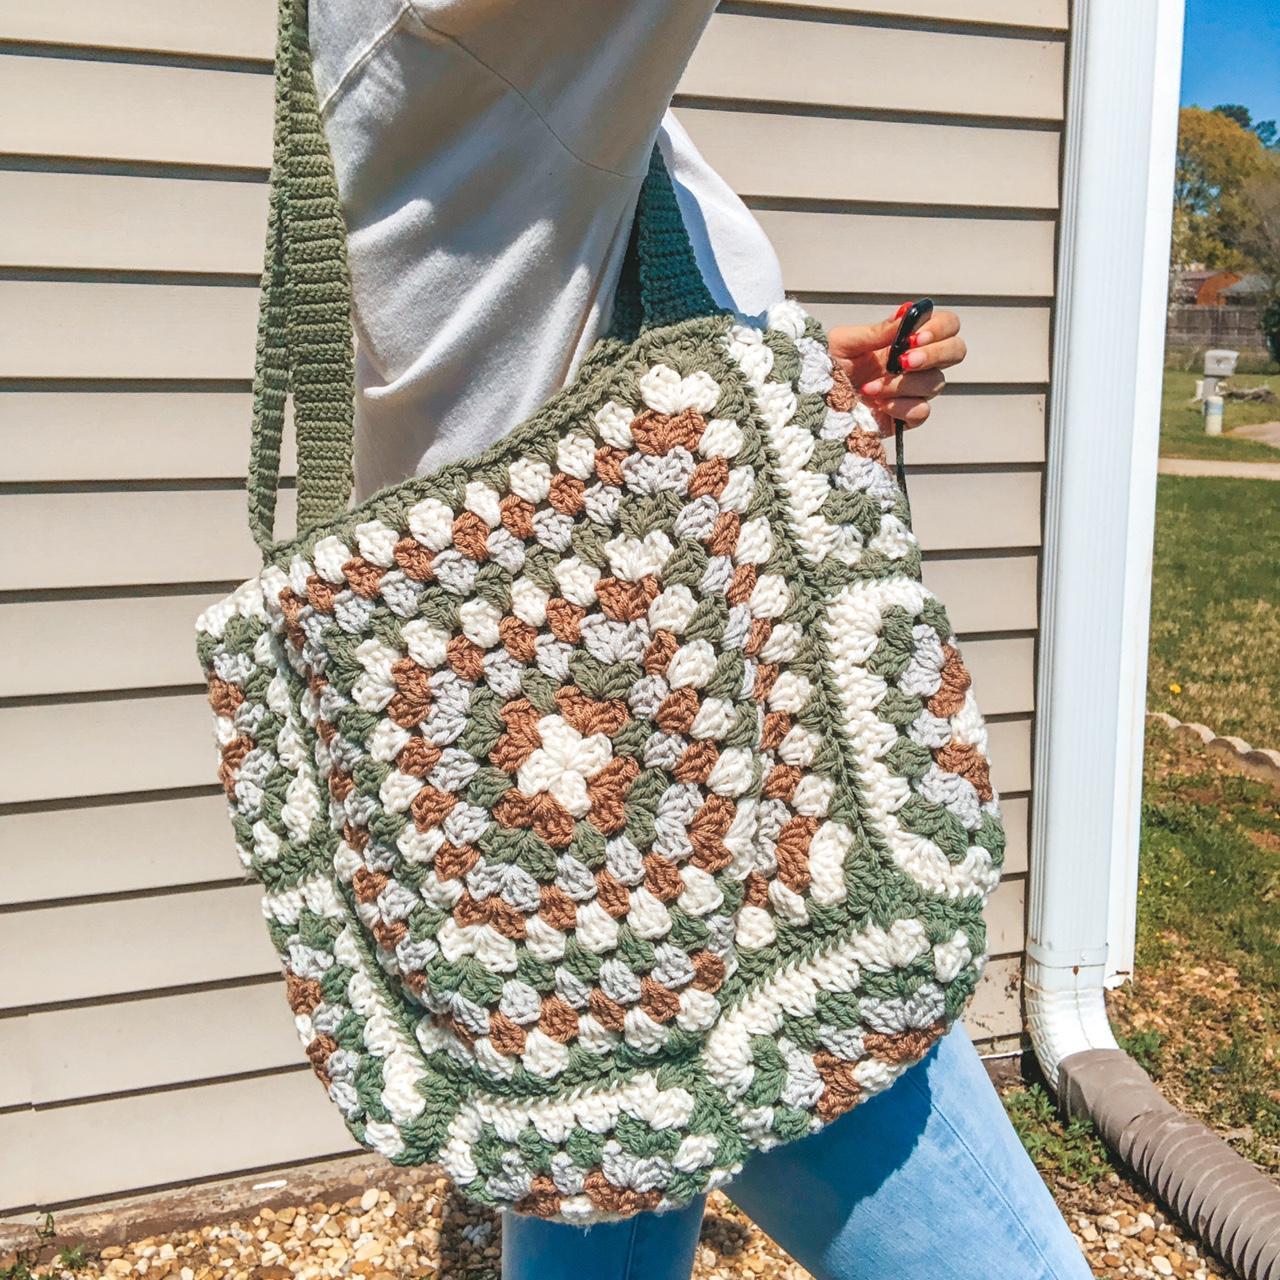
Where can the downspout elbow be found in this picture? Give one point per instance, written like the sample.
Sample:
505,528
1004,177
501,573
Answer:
1066,1010
1231,1206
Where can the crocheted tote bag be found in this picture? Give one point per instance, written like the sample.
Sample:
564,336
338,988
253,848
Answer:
619,797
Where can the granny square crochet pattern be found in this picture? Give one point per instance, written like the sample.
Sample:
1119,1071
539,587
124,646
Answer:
619,796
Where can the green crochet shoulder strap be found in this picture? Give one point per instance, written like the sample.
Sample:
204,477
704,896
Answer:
305,337
304,326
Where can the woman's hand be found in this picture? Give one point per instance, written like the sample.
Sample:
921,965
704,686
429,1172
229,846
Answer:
863,351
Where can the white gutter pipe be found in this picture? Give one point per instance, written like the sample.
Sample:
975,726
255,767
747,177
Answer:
1099,517
1099,507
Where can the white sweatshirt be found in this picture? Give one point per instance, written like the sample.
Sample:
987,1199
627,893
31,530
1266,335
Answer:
489,154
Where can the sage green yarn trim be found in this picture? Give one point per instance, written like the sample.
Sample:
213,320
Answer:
271,368
305,343
321,336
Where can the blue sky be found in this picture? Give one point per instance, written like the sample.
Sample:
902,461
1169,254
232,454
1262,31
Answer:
1232,54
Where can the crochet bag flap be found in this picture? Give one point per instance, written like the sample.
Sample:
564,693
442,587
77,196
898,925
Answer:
619,796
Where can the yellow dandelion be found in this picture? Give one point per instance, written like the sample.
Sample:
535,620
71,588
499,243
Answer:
1175,688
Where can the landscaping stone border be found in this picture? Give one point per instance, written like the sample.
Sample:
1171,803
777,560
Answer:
1257,762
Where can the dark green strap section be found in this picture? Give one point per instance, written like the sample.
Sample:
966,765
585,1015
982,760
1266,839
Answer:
660,282
304,324
271,370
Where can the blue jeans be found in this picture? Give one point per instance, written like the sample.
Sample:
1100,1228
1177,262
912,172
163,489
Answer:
926,1179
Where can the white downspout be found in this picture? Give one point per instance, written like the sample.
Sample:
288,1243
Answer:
1122,922
1119,143
1099,517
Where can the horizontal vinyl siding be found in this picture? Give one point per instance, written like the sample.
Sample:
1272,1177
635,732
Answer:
58,435
137,641
1048,14
143,1036
146,536
245,28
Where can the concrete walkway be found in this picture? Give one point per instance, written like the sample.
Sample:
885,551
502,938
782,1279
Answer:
1263,432
1207,467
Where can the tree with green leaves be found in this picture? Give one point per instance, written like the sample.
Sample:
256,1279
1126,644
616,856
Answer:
1265,130
1259,238
1217,155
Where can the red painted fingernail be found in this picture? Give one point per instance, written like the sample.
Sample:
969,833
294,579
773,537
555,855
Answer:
911,359
915,341
902,311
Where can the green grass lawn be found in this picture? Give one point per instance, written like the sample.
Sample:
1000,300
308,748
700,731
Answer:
1203,1012
1182,424
1215,609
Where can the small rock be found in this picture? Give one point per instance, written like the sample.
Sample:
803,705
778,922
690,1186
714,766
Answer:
1162,1264
369,1200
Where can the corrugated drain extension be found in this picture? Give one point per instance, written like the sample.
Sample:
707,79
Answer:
1230,1205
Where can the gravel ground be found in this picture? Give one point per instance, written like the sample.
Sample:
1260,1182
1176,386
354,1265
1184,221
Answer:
424,1230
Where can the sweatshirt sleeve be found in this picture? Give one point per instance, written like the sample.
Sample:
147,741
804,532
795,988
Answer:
489,154
598,74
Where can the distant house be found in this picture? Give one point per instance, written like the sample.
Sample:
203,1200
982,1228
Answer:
1203,287
1216,309
1246,291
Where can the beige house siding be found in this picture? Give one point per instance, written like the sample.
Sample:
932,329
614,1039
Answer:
889,148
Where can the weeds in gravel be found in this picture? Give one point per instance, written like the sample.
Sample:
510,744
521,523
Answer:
1068,1148
26,1264
72,1259
1144,1048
